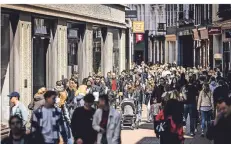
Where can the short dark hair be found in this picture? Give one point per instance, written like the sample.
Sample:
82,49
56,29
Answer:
50,93
104,97
17,117
226,100
89,98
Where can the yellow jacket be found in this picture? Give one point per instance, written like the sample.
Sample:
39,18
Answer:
82,89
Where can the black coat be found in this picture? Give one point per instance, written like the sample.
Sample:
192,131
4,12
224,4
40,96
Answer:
221,132
157,93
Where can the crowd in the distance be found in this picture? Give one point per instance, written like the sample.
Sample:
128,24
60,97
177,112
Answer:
90,113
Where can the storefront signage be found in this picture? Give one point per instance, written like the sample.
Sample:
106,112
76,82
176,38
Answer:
41,26
170,37
130,14
72,33
204,34
161,27
139,38
228,34
40,30
138,27
214,30
195,34
217,56
184,32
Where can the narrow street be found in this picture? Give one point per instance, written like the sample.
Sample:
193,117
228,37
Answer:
146,135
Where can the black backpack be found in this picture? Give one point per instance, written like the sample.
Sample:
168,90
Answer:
163,129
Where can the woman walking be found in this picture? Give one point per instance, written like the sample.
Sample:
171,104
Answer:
205,106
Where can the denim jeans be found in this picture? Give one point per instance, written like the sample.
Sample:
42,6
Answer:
190,109
69,133
149,114
205,118
139,112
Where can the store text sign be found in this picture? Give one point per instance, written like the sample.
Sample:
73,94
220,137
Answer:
138,27
139,38
214,30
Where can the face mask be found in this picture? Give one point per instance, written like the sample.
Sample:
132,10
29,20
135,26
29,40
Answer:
57,100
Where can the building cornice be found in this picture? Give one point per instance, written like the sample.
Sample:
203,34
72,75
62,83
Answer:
41,9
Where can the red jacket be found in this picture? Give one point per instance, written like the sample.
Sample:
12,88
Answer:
174,127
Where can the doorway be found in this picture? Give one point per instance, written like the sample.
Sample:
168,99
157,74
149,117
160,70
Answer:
139,57
40,46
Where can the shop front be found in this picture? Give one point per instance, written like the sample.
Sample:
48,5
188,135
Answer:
170,49
226,50
205,47
185,47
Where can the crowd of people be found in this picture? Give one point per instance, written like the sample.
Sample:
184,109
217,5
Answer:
89,113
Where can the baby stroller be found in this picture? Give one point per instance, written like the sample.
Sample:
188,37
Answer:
128,114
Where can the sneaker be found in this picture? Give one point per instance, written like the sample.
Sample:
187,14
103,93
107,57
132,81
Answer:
202,133
192,134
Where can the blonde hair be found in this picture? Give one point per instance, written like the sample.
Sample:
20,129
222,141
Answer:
63,97
41,91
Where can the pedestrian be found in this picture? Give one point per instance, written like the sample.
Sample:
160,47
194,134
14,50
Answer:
17,133
205,106
48,120
18,108
190,93
107,123
148,93
169,126
220,129
38,99
81,124
61,103
139,91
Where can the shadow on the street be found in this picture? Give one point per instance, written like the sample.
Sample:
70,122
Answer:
154,140
148,126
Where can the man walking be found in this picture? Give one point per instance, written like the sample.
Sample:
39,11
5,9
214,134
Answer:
106,122
81,122
18,107
48,120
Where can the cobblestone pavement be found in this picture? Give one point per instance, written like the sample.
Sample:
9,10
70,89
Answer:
146,135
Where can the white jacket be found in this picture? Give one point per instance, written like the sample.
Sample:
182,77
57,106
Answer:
113,126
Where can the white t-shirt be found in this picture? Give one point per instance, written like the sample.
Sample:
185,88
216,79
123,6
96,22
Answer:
47,125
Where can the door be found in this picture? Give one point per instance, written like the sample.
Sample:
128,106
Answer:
40,45
139,57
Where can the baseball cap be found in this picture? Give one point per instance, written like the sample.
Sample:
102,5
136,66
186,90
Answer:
14,94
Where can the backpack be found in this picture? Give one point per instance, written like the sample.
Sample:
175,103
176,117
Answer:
163,129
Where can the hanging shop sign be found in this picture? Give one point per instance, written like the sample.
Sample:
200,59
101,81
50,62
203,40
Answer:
161,27
184,32
217,56
195,34
214,30
170,37
138,27
204,34
130,14
228,34
139,38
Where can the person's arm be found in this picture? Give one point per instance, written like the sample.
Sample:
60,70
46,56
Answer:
62,128
24,113
34,122
212,101
95,122
199,101
116,137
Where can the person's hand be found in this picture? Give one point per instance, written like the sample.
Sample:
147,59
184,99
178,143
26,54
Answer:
102,130
79,141
218,117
